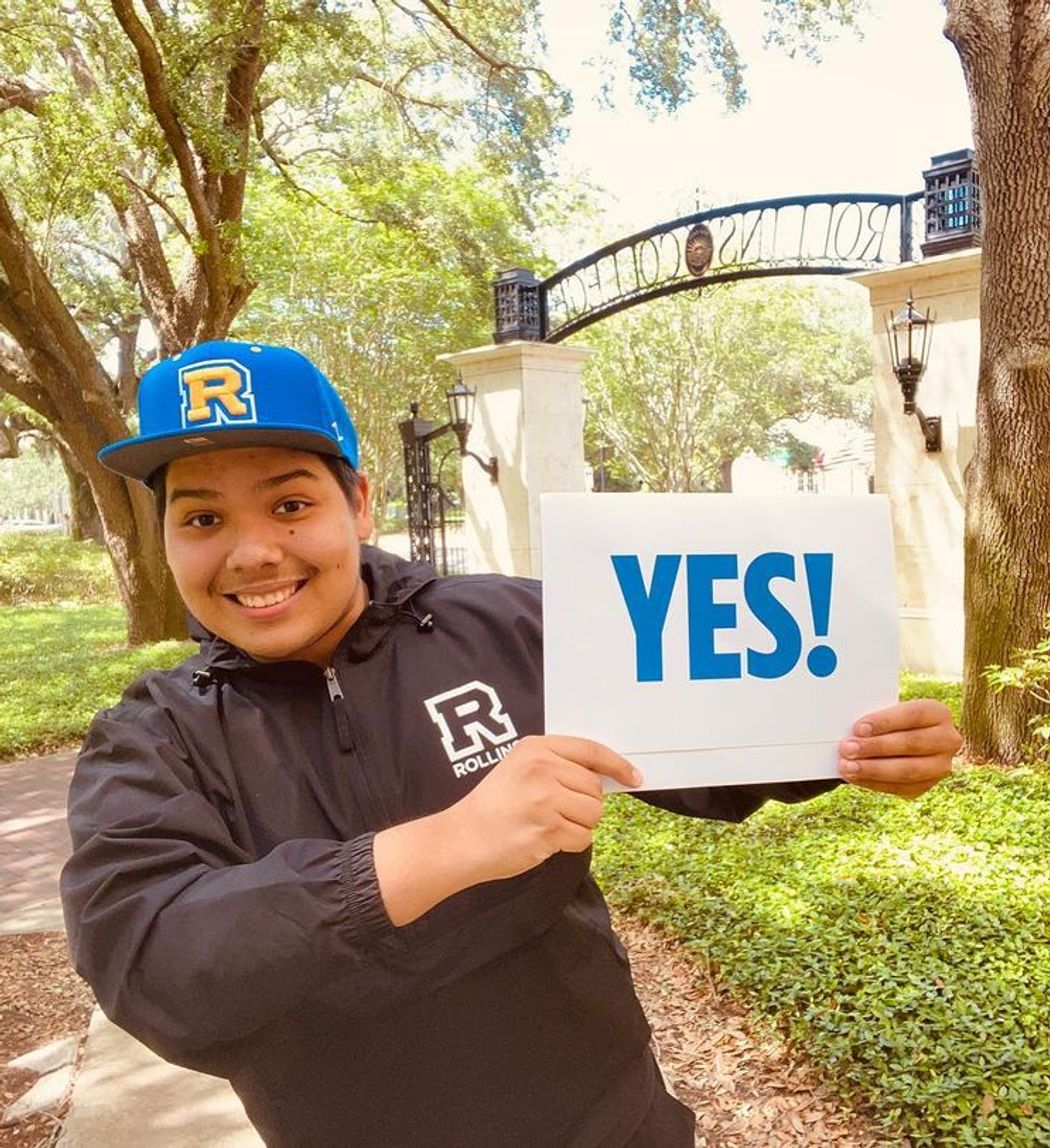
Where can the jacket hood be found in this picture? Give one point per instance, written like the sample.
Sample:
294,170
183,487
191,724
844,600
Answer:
392,583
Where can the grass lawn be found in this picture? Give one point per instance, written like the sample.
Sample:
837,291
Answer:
60,665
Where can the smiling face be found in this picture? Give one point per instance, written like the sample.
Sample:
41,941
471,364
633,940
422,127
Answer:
265,550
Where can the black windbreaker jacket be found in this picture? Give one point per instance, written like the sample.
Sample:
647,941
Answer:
222,901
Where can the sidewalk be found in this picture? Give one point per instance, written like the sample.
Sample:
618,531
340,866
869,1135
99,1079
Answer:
123,1095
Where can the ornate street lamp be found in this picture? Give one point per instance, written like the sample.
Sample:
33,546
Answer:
461,402
909,336
426,497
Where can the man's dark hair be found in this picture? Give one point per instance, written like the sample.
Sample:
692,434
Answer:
344,474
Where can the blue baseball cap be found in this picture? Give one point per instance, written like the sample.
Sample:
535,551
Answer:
225,394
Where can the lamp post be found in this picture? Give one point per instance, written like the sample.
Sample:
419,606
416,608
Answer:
909,335
461,402
424,494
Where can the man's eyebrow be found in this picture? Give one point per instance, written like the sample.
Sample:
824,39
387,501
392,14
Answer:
281,479
197,492
204,493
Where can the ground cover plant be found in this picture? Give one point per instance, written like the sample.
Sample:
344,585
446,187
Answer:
902,945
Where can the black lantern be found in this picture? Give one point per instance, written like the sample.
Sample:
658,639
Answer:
909,335
461,402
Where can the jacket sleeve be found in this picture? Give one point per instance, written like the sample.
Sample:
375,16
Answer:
734,802
186,938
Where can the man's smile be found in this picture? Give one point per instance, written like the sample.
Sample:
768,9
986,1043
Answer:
263,598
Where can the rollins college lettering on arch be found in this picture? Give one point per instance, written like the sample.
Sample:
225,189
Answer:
805,235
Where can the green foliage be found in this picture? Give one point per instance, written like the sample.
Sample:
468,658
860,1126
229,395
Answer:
903,946
375,306
347,93
923,686
42,569
1029,672
670,42
796,453
32,483
62,665
682,387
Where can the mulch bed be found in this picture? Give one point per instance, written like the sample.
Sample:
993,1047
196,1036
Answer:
41,1000
748,1088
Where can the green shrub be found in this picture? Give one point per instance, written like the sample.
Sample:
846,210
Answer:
902,945
43,569
1030,673
62,665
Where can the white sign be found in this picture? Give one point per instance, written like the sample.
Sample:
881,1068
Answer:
717,639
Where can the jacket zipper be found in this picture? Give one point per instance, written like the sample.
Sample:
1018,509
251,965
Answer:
345,737
335,691
342,725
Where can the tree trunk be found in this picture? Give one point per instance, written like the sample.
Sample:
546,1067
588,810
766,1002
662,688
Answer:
725,475
151,601
84,522
130,531
1005,53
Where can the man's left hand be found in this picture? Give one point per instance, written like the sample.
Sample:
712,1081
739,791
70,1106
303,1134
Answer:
904,749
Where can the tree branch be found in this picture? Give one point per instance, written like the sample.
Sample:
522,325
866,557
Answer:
152,69
241,82
18,94
394,90
76,63
168,210
283,166
458,34
34,313
17,377
152,272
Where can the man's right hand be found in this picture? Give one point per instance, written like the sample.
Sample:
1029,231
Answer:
544,797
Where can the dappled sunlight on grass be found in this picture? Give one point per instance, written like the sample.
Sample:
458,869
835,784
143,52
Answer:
61,665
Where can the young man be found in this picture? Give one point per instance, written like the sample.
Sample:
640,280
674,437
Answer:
279,877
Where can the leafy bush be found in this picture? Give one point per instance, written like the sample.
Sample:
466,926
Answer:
903,946
42,569
1030,673
62,665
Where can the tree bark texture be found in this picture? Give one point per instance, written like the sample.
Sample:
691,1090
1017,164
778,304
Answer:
84,521
1005,52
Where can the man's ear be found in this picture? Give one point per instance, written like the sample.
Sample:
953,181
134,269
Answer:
363,509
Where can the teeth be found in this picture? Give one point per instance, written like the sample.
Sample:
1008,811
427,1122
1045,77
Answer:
259,600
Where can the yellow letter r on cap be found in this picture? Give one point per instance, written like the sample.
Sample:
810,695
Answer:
213,382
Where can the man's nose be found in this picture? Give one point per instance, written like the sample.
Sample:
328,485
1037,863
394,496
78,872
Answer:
255,548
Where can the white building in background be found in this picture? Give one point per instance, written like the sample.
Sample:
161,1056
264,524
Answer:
844,465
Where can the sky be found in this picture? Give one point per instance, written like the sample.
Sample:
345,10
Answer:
866,119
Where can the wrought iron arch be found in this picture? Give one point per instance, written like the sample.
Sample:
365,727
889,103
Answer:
803,235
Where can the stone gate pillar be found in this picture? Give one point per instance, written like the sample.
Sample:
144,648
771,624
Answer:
529,416
927,491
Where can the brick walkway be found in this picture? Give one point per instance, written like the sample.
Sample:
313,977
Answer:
34,841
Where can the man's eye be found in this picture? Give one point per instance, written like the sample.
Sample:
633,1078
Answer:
291,506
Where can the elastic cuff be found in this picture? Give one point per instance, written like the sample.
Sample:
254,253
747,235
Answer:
366,916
